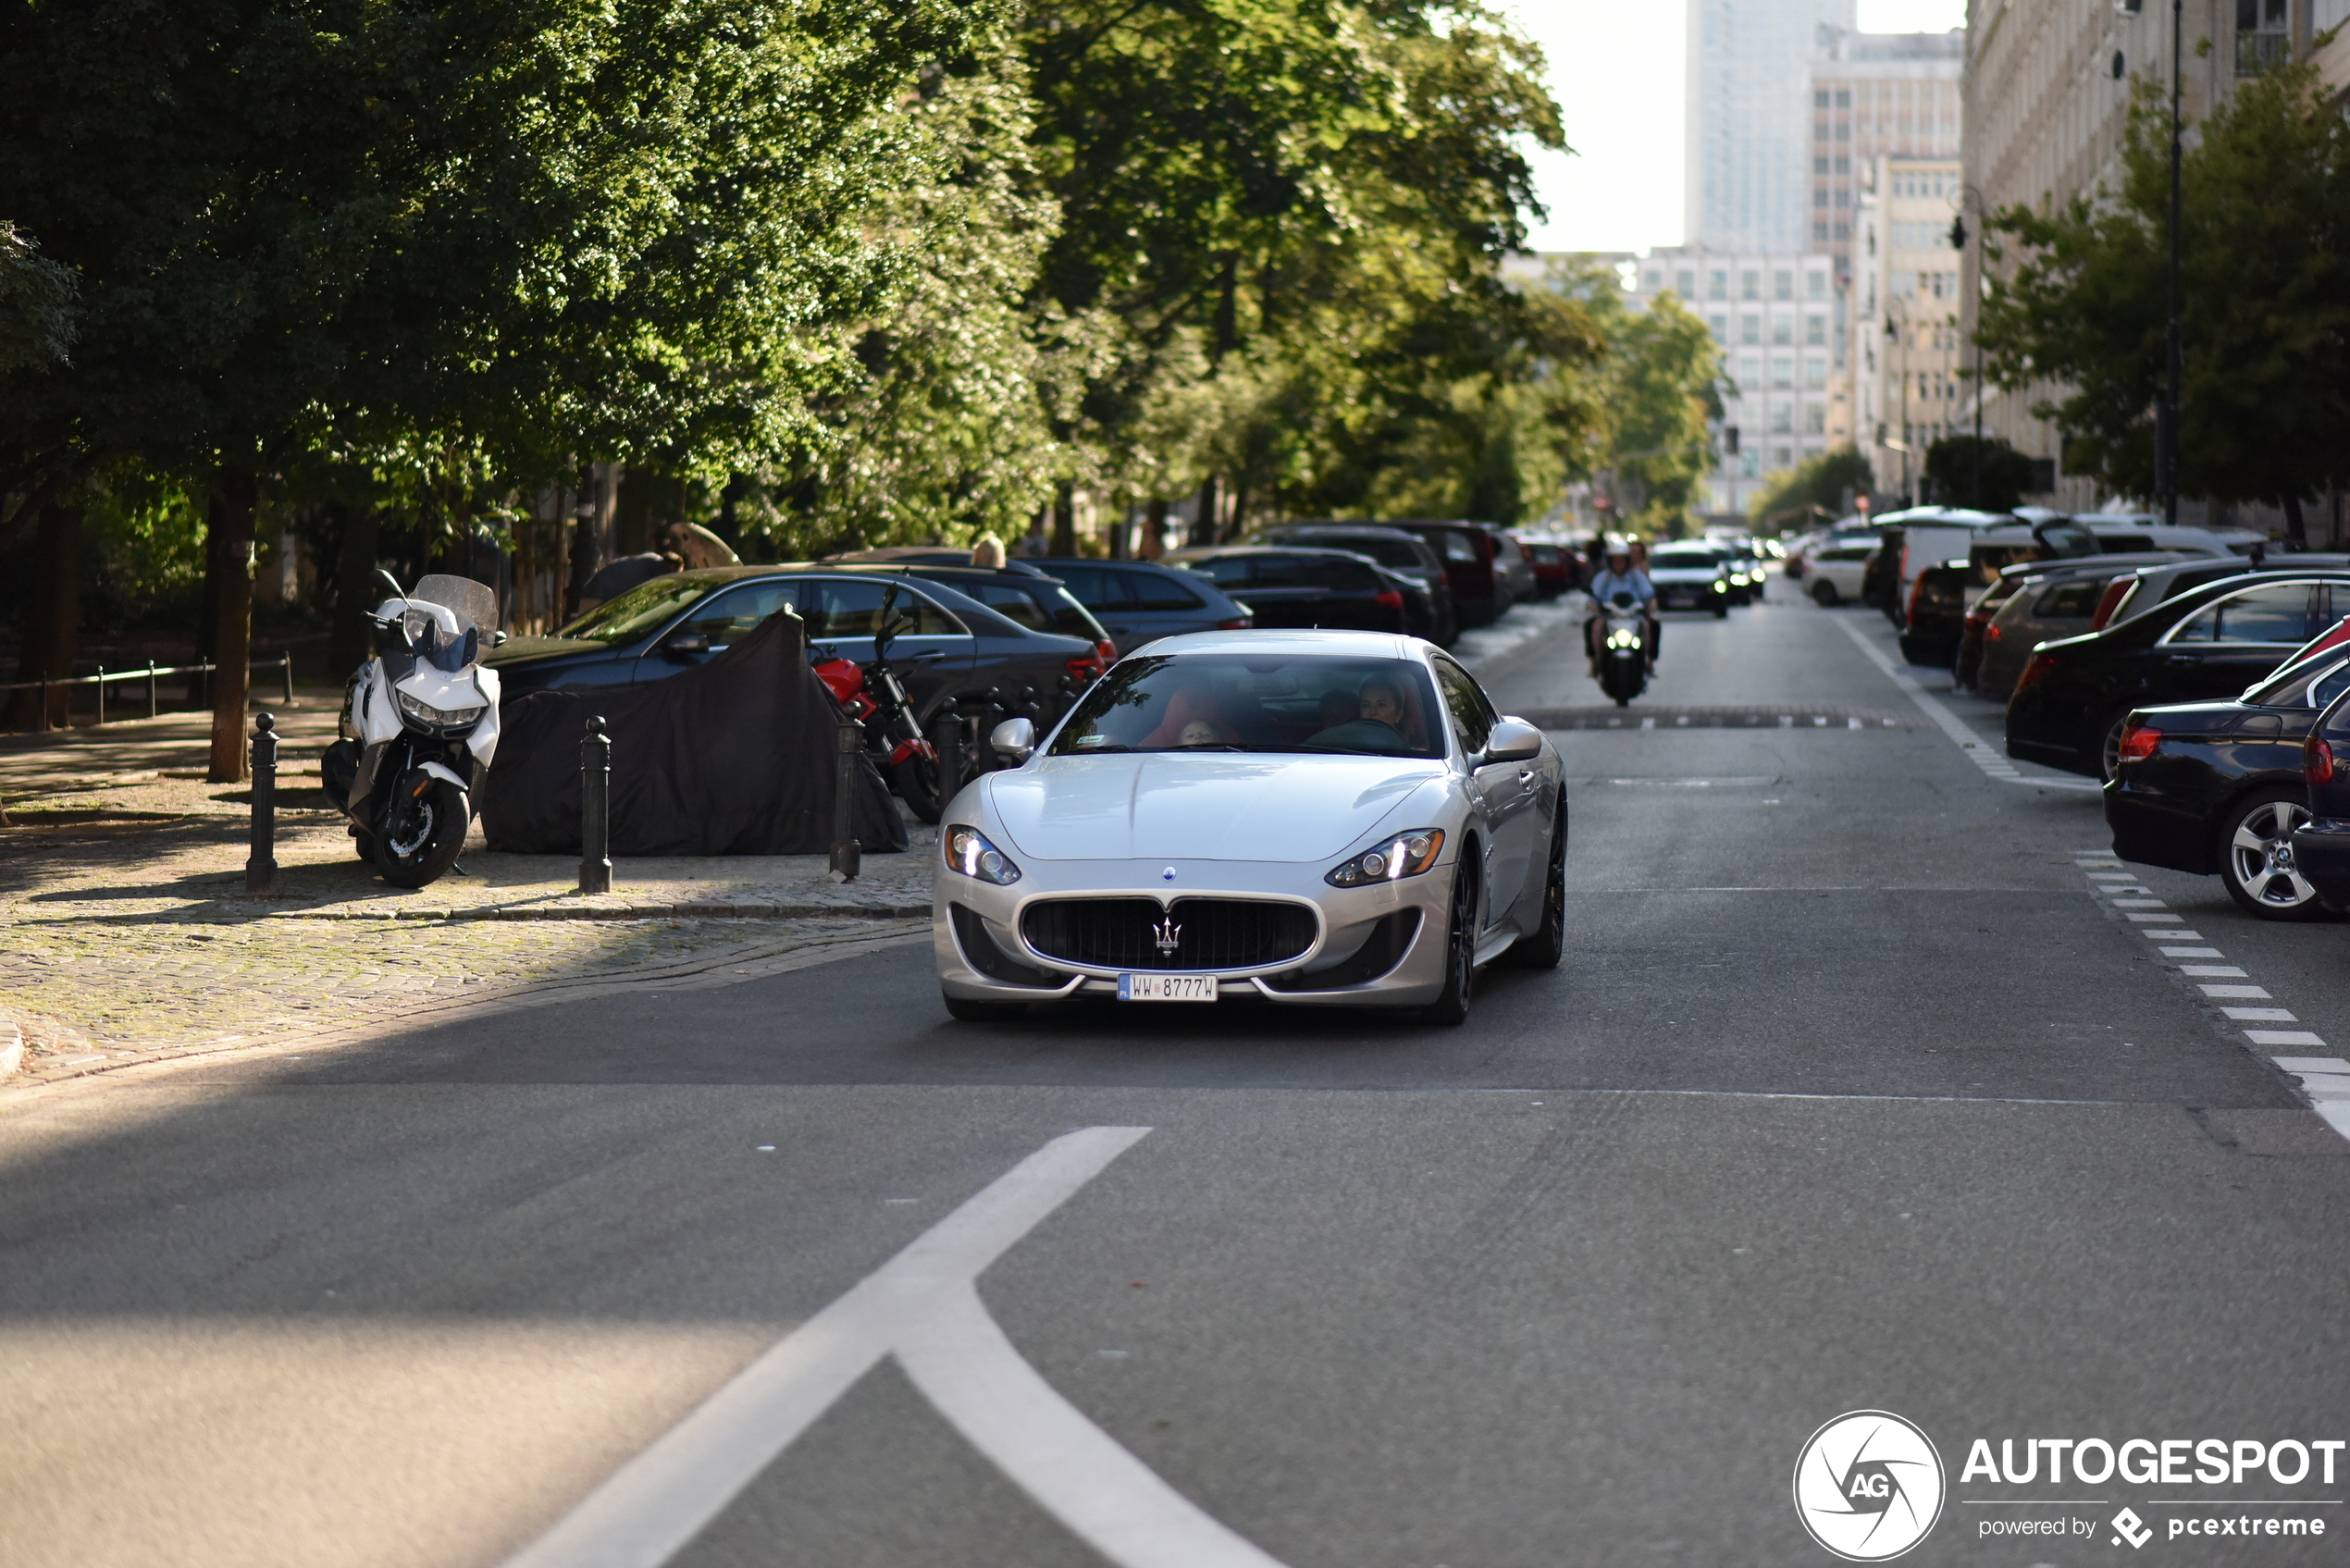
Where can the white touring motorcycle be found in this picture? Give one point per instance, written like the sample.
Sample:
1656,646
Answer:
419,725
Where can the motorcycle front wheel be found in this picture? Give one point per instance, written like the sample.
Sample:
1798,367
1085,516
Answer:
917,782
421,835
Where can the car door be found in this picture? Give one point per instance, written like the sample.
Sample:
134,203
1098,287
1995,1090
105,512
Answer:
712,626
2234,641
933,655
1505,793
1109,594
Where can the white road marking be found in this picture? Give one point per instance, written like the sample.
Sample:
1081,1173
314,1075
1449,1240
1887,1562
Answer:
2162,920
2213,971
1978,750
2259,1015
2250,992
2313,1064
924,1307
1648,724
2141,903
2282,1037
2192,953
2173,935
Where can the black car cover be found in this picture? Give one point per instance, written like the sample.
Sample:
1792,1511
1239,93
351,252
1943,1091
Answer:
735,757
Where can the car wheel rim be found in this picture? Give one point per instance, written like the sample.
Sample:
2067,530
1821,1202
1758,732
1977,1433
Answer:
2261,855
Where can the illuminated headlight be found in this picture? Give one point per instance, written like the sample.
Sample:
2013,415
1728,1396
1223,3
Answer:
1623,639
968,852
1738,577
439,718
1405,855
1720,587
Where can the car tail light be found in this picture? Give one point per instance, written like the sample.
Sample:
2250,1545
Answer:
2042,666
2111,601
2138,743
1237,624
1085,669
1991,632
1390,597
1108,651
2317,760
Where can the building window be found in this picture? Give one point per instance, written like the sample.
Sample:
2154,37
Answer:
1843,230
1783,373
1815,331
1782,457
1720,286
1819,195
1819,130
1843,166
2262,36
1783,329
1782,418
1843,131
1749,329
1844,99
1749,285
1815,419
1750,372
1686,283
1820,231
1815,374
1818,166
1720,326
1750,462
1783,285
1820,99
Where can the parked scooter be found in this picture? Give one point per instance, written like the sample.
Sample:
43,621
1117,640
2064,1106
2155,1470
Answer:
1624,649
419,727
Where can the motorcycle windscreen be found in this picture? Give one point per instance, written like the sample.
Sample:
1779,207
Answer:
475,604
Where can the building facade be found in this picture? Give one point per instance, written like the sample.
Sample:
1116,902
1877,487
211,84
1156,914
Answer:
1746,152
1875,96
1909,348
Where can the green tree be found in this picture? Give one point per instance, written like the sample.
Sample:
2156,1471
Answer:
1814,488
2266,319
1993,476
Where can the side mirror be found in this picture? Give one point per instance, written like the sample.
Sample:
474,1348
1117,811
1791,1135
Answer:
1014,740
1513,740
497,639
685,645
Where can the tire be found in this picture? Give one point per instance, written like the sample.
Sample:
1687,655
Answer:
422,837
1823,594
2109,748
2254,854
1543,946
968,1011
1450,1008
916,781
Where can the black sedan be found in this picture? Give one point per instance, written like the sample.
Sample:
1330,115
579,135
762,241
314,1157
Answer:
2074,697
1332,588
2210,787
2320,845
956,646
1403,553
1140,601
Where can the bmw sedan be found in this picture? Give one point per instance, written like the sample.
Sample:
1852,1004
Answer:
1336,817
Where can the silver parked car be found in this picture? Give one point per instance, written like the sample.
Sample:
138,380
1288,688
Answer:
1296,817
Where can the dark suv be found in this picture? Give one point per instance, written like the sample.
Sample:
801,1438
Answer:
1405,554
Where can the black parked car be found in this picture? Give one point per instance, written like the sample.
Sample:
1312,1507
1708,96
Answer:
1313,588
1936,622
1481,568
1405,553
1140,601
2074,697
956,646
1018,591
2211,787
2320,845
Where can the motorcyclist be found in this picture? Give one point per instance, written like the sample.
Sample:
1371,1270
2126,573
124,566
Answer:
1619,575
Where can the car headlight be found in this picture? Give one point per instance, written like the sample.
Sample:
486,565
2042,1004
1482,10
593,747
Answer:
968,852
1738,577
439,718
1405,855
1720,587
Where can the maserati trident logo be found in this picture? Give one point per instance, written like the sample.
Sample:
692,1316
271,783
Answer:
1169,935
1868,1485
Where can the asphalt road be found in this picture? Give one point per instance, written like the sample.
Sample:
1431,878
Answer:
1853,1093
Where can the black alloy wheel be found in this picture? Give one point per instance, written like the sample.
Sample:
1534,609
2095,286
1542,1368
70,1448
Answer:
1543,946
424,833
1450,1007
2255,853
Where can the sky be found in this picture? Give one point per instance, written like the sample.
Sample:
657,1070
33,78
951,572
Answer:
1616,70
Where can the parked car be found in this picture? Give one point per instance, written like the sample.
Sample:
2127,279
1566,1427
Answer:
1018,589
2150,586
2217,787
956,648
2048,536
1835,568
2320,845
1515,566
1403,553
1332,588
1140,601
1557,566
2074,697
1483,585
2046,601
1935,624
1694,576
1910,540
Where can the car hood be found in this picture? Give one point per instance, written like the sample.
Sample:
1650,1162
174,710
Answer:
1201,806
525,650
1684,574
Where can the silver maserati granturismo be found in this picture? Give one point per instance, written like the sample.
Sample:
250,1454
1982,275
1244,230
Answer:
1332,818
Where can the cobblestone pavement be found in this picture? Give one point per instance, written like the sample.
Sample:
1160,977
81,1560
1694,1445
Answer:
129,937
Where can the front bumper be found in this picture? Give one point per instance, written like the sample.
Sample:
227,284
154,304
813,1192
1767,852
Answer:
1346,966
2321,853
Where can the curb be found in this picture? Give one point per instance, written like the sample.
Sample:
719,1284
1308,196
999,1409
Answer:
759,910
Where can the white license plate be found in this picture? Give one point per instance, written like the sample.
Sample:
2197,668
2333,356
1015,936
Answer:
1167,988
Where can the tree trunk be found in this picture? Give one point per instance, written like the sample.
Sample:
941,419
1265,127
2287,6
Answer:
1064,519
2297,530
52,629
208,608
1239,520
233,634
1153,542
355,588
1203,525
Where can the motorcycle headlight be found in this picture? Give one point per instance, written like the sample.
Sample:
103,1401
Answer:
968,851
1405,855
439,718
1623,639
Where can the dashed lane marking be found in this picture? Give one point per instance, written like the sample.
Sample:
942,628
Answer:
2324,1081
923,1307
1979,751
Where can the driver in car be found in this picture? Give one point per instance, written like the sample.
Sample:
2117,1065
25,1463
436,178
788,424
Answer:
1378,725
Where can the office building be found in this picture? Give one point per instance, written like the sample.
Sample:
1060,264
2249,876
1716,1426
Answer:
1748,152
1907,353
1875,96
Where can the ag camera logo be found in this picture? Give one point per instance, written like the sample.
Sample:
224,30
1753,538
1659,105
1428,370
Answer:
1869,1486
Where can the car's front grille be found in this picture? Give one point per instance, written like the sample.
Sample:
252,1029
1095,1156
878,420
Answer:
1192,933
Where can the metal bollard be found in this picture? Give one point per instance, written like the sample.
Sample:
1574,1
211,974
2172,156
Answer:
947,739
261,862
102,698
44,725
595,809
286,665
151,688
848,749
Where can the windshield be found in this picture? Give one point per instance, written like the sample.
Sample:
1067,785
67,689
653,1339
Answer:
475,604
1684,559
1248,702
640,610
